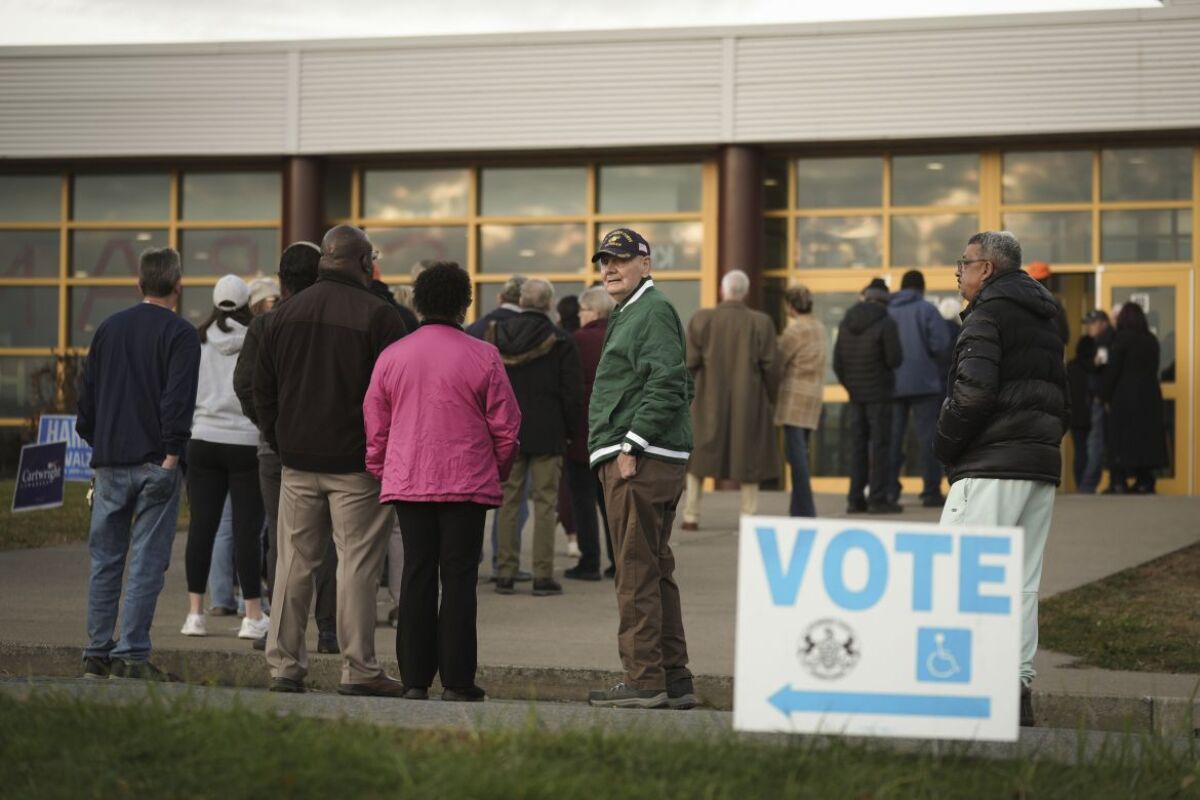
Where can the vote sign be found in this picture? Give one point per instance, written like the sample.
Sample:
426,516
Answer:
878,629
61,428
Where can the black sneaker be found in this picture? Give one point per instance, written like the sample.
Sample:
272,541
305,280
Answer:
856,508
577,574
415,693
505,586
622,696
287,686
884,508
468,694
681,694
327,643
544,587
142,671
1027,720
610,571
260,643
97,668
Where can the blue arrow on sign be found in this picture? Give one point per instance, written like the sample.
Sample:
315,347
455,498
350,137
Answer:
790,701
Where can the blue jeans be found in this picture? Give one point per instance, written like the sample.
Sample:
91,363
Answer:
795,441
925,409
1095,451
220,575
134,514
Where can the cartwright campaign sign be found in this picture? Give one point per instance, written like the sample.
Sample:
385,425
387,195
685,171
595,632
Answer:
878,629
40,477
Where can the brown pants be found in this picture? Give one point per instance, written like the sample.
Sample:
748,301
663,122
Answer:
641,511
312,506
544,472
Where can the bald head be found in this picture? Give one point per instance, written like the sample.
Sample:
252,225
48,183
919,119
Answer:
347,250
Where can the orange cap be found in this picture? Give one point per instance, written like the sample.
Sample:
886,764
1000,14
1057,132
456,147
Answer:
1039,270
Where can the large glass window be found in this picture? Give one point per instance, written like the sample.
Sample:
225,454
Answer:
30,198
1057,237
122,197
30,316
29,254
401,249
238,251
839,242
940,180
839,182
684,295
111,254
22,380
648,188
533,191
1146,235
1146,174
1048,177
416,193
231,195
929,240
533,248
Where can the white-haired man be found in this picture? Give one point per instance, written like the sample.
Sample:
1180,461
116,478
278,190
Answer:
731,351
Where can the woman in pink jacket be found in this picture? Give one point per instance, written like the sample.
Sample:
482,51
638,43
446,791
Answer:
441,424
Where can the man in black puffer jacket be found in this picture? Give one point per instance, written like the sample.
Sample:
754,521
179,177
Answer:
867,350
1006,413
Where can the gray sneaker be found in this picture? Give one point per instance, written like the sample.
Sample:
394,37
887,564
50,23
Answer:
681,694
622,696
142,671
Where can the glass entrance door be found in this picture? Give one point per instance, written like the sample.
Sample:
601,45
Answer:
1164,294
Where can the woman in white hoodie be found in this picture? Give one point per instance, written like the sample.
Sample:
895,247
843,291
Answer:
222,458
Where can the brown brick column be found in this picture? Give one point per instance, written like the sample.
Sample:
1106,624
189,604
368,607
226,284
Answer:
302,200
741,216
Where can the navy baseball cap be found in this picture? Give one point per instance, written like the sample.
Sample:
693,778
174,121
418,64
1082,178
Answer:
622,243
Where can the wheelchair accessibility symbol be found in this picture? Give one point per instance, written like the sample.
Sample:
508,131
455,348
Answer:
944,655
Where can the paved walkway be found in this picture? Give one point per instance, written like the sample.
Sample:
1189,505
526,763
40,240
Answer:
43,594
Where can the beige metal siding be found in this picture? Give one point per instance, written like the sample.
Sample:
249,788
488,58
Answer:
132,105
519,97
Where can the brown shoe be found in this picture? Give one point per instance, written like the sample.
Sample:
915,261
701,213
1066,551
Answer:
690,526
381,686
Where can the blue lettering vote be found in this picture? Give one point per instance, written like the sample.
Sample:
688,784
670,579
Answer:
877,570
923,547
785,585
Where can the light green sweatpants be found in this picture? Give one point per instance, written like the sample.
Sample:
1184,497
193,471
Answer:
1022,504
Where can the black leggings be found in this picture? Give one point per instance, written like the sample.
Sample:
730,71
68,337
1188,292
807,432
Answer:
214,470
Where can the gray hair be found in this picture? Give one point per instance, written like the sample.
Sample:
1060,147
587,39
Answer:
598,300
537,294
510,292
159,271
999,247
735,285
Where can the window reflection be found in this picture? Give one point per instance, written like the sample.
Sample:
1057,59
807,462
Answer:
684,295
242,252
1146,174
336,180
91,305
839,182
17,376
648,188
416,193
28,254
111,254
830,454
938,180
775,243
1058,237
30,198
196,304
830,308
231,195
1048,177
1150,235
533,191
28,316
402,248
533,248
1159,304
775,185
673,245
121,197
930,240
839,242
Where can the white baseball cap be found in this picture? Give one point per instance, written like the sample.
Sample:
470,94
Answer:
231,293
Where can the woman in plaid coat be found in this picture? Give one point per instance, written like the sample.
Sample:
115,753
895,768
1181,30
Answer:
798,410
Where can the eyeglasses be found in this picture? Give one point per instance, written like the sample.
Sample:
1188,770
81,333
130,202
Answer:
962,262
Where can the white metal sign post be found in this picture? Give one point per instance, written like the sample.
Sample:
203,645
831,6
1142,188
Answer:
878,629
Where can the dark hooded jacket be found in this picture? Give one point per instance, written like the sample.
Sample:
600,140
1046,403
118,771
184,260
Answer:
543,366
867,350
1008,405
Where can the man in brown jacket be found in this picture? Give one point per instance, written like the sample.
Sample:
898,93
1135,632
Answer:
731,352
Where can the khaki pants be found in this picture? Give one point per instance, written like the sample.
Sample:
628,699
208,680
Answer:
695,488
641,511
312,505
544,473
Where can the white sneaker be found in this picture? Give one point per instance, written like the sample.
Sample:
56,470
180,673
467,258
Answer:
573,550
194,626
255,628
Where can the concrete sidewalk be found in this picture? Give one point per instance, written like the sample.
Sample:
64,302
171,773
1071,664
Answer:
555,647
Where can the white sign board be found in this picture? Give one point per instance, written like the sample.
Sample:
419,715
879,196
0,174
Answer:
878,629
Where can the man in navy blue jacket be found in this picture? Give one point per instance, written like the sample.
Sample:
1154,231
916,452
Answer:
920,383
136,402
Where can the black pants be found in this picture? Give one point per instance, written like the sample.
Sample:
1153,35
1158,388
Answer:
871,438
215,470
270,477
440,540
1080,437
586,494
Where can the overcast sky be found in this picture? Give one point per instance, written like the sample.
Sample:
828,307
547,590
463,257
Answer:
122,21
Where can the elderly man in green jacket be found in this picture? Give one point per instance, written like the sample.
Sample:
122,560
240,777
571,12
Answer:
641,437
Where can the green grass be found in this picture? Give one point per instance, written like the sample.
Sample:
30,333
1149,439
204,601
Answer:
52,746
1146,618
53,526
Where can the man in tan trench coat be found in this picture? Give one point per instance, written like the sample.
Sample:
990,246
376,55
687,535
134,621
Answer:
732,354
